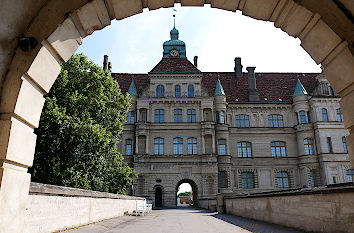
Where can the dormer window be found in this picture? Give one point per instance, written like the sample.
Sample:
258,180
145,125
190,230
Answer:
160,91
177,91
190,91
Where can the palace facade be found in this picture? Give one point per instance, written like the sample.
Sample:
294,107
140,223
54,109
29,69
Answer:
226,132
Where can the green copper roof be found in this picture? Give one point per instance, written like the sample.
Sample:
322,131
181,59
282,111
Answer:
219,90
132,89
299,89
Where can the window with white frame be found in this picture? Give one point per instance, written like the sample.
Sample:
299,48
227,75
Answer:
275,120
308,146
192,146
247,179
283,180
158,146
244,150
242,120
278,149
221,147
178,146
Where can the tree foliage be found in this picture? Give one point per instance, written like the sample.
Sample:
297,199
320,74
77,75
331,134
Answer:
79,130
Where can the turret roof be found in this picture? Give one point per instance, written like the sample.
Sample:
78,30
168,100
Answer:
299,89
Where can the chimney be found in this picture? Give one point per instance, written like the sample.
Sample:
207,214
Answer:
196,61
110,66
105,62
253,95
238,67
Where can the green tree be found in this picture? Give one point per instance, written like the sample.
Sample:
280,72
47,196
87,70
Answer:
79,130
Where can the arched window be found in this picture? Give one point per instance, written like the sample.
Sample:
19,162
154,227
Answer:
178,146
160,91
278,149
275,120
158,146
244,150
221,147
247,180
190,91
308,146
177,91
242,120
222,117
192,146
128,147
302,117
339,115
324,115
283,180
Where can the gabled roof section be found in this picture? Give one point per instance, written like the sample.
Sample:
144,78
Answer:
299,89
175,66
132,89
219,90
141,81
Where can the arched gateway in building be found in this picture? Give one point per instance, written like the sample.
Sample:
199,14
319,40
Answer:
194,198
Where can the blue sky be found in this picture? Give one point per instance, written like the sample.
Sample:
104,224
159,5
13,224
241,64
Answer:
134,45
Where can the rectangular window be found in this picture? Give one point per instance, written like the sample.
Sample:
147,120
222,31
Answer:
159,116
244,150
309,117
313,178
128,118
223,179
158,146
302,117
192,146
339,115
143,116
283,180
178,117
278,149
324,115
178,146
344,143
191,115
349,178
222,147
329,145
132,117
275,120
128,147
247,180
308,146
242,121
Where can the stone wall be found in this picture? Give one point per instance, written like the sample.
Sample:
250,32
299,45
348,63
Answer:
207,203
325,209
52,208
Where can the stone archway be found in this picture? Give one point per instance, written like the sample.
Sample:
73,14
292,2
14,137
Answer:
194,190
324,27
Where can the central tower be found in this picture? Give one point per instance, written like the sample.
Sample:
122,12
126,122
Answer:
174,48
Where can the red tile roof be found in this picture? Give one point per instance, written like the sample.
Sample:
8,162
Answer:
174,66
272,86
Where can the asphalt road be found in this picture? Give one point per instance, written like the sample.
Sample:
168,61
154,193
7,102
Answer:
181,220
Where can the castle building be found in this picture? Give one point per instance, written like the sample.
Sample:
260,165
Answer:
226,132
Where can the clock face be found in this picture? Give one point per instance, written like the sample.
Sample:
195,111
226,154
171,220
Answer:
174,53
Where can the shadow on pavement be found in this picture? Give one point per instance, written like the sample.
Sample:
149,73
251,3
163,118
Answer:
254,226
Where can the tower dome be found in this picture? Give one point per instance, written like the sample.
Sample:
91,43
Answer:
174,48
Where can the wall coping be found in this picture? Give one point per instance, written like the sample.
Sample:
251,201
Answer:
53,190
330,189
